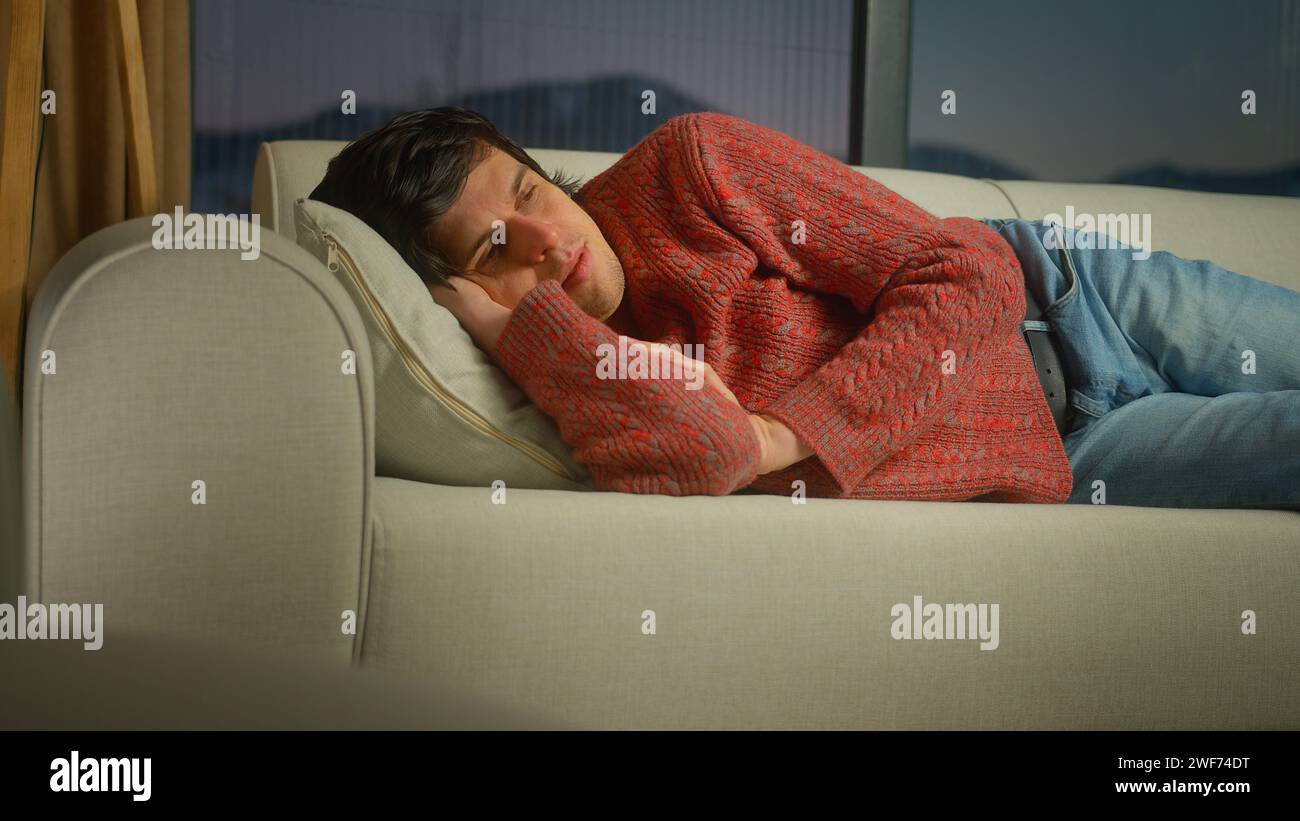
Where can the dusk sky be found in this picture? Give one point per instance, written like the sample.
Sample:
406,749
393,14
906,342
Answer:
1084,89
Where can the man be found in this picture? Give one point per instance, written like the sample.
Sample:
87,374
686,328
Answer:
855,345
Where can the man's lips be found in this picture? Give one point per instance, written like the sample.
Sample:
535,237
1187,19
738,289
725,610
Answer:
581,269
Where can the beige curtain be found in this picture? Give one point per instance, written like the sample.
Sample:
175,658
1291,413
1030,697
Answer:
82,170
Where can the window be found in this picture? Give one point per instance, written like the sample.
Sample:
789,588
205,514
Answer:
1109,91
567,74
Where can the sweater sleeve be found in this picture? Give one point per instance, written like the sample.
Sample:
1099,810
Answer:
939,292
645,435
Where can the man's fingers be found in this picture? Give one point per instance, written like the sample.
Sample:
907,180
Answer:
442,296
464,294
446,296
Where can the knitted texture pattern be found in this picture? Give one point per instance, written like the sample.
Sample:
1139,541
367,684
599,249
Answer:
885,337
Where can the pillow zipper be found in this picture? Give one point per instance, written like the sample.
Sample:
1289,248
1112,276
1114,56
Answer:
337,256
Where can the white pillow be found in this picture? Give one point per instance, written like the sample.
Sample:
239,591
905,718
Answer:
444,412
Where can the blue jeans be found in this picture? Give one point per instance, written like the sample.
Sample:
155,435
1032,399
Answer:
1184,376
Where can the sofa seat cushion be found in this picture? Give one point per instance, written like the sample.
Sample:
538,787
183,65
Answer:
626,611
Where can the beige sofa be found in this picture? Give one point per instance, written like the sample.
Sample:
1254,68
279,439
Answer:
767,614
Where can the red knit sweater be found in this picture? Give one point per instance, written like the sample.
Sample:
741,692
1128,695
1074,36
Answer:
842,336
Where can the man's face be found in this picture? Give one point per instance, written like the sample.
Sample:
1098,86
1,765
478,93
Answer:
545,233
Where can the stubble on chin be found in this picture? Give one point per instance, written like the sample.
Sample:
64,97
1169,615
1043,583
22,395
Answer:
615,284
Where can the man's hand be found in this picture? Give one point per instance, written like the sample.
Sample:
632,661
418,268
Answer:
778,445
482,319
781,448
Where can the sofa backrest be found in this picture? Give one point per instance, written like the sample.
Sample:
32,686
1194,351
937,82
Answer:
1252,235
290,169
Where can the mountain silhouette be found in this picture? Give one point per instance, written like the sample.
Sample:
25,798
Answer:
947,159
604,114
1283,181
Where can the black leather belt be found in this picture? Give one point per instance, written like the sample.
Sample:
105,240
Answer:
1045,348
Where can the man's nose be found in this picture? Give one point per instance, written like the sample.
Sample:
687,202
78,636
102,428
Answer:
532,238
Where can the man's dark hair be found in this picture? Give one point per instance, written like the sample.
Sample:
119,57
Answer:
402,176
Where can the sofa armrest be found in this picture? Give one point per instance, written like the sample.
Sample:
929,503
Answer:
196,456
